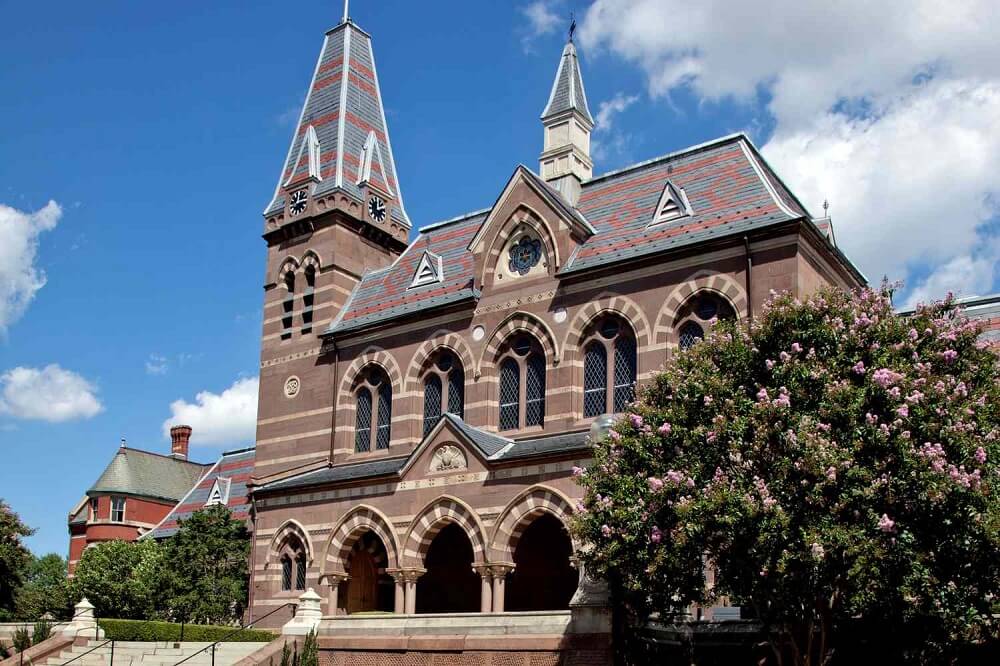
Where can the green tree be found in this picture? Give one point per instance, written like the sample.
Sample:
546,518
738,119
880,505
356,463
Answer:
119,578
205,574
14,557
834,462
45,589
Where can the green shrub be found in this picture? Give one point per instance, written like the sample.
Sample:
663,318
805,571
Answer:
42,630
4,651
21,640
310,655
142,630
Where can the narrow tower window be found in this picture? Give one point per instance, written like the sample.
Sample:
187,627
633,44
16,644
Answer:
363,429
308,297
288,306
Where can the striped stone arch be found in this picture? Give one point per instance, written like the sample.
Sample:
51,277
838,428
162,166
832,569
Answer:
719,283
519,514
527,216
435,516
622,306
440,340
376,356
518,321
288,265
290,529
352,526
310,258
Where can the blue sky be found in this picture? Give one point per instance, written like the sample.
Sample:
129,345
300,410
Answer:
159,129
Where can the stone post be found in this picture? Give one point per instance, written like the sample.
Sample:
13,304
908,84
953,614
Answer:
334,580
411,576
399,595
84,623
590,605
486,589
499,573
307,616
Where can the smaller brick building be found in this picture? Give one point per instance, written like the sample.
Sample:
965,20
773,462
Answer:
136,491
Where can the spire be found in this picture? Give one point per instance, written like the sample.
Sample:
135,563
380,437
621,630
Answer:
565,161
341,140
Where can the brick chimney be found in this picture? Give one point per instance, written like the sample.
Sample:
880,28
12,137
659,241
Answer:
180,437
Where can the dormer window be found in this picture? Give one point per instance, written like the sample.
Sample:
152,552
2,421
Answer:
673,205
430,270
220,492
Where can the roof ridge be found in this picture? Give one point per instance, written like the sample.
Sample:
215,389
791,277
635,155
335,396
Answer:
668,156
167,456
459,218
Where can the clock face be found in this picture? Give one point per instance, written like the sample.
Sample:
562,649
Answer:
297,203
376,208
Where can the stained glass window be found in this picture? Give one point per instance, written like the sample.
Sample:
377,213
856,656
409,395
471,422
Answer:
456,391
625,372
363,429
691,333
524,255
300,572
595,380
510,390
384,416
432,402
286,573
534,385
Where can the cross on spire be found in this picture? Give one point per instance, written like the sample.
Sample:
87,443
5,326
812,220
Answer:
572,25
346,17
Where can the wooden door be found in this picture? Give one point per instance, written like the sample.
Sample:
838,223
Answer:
363,583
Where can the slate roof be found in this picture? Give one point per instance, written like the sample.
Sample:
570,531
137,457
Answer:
236,467
730,187
567,89
343,104
340,473
146,474
488,443
544,445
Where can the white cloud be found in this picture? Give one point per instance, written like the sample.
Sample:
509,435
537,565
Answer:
229,417
50,394
542,20
890,110
157,365
20,278
609,108
606,139
964,276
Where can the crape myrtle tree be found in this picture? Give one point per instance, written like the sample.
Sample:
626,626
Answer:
836,463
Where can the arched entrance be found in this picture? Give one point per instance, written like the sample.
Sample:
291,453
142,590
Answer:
450,584
369,587
543,578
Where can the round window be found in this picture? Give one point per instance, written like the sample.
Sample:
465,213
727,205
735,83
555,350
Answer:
707,308
609,328
521,346
444,362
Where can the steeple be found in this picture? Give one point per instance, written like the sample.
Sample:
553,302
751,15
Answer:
565,161
341,143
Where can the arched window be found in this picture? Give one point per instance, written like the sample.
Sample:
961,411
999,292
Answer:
286,573
608,389
696,316
522,364
308,297
374,403
444,388
300,571
288,305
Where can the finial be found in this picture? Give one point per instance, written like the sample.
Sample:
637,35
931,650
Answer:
826,208
572,26
346,16
123,443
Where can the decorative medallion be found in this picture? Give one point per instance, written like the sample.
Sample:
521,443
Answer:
478,333
559,316
524,255
292,387
446,458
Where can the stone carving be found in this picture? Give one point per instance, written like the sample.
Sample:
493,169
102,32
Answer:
448,457
292,387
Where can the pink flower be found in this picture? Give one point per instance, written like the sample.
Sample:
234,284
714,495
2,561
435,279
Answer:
914,335
859,368
817,551
762,395
903,411
654,483
831,473
796,348
949,355
886,524
785,357
605,530
871,418
636,420
613,434
769,363
578,471
980,455
710,436
708,400
656,535
664,429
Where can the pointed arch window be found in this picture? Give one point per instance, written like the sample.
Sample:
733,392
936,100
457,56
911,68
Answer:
444,388
288,306
308,299
373,401
522,384
286,573
698,314
608,389
363,428
300,571
384,416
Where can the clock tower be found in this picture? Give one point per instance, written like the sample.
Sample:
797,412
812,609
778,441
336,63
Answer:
336,213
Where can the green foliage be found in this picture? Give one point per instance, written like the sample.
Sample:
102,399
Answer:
4,651
205,568
45,589
14,556
310,653
41,631
148,630
286,655
119,578
21,640
837,461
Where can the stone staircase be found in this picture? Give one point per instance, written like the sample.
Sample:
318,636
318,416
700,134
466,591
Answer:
129,653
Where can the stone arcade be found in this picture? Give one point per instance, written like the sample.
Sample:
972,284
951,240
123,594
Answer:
423,403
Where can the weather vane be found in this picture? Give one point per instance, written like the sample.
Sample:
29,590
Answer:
572,25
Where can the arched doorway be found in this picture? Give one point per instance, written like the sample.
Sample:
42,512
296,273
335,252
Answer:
369,587
450,584
543,578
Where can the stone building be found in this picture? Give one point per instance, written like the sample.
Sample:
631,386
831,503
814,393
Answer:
134,492
425,394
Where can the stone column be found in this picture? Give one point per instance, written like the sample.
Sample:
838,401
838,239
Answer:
399,597
499,573
411,576
333,580
486,589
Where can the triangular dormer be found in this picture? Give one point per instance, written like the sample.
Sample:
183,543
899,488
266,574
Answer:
371,169
220,492
307,163
430,270
673,205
